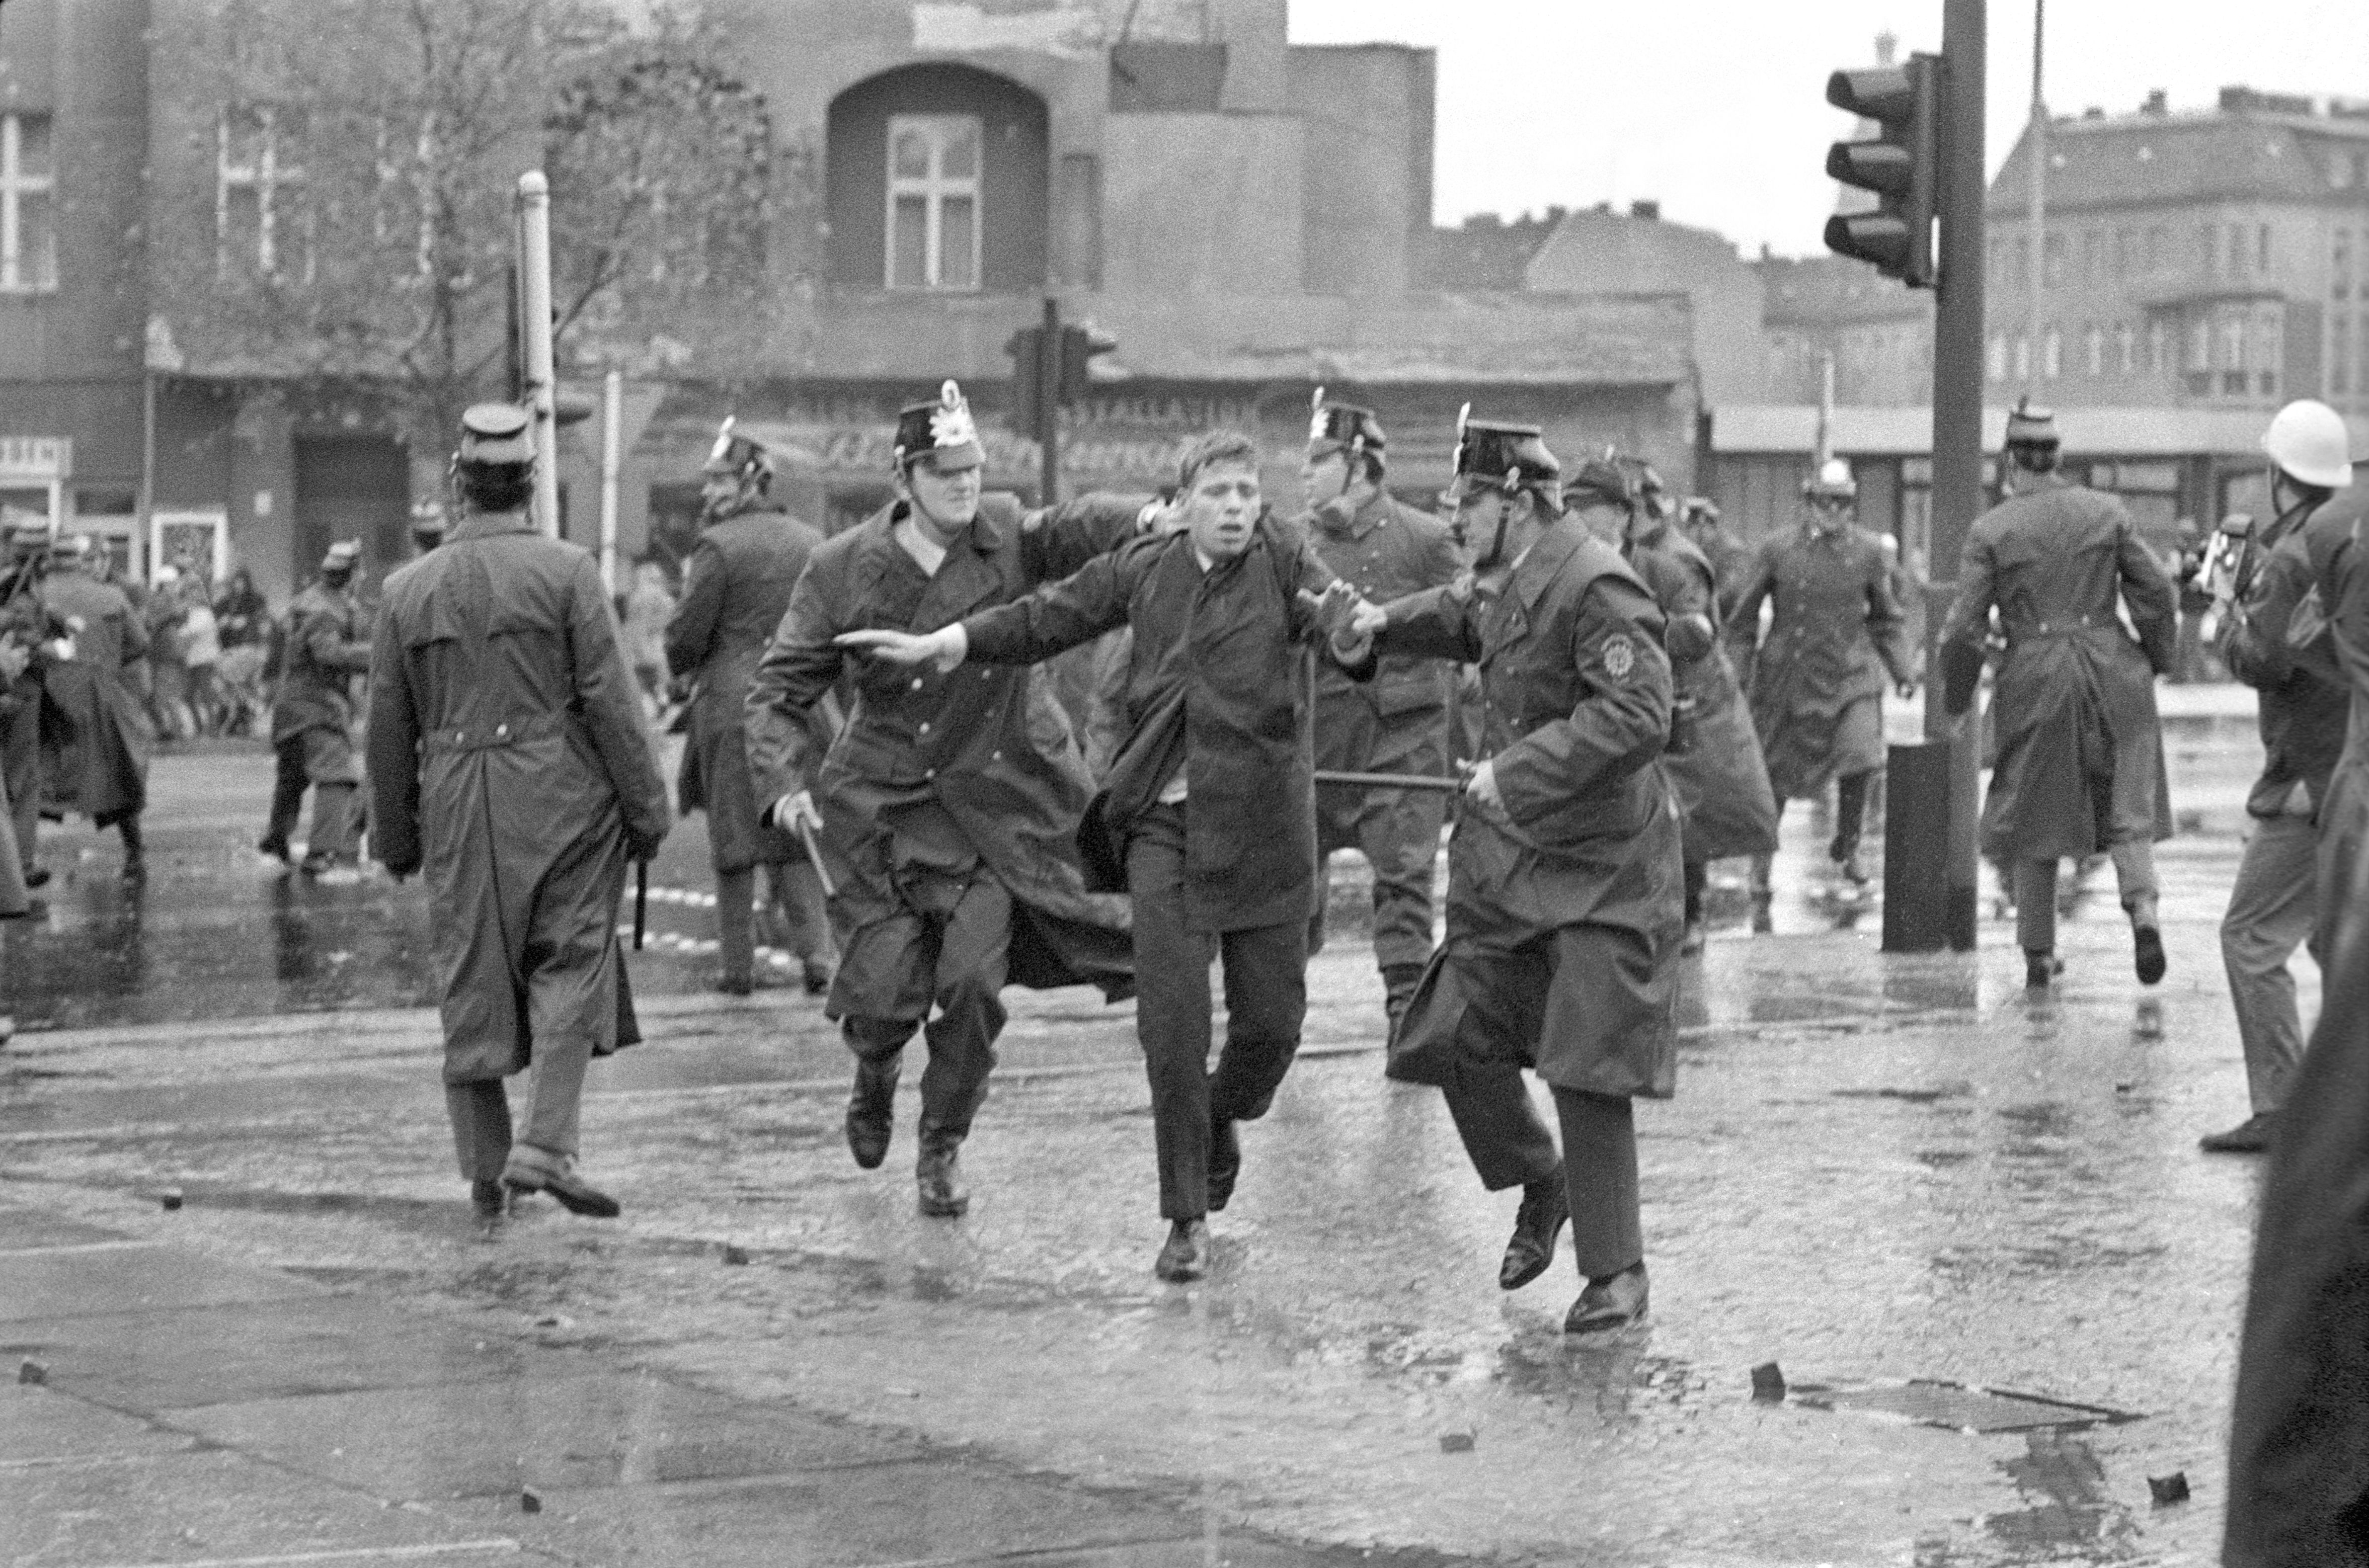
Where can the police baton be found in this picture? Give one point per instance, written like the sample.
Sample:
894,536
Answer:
814,858
1389,781
641,902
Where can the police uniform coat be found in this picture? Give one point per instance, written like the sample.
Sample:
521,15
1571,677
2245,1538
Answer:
984,749
23,621
1818,676
329,644
95,759
2080,751
735,588
1721,782
1577,695
510,757
1218,684
2299,1428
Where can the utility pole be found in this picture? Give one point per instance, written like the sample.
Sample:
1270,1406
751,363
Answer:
535,320
1048,408
2036,213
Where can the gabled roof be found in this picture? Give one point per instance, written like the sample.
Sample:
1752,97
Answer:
2136,160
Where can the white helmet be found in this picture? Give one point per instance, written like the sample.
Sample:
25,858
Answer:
1833,478
2307,440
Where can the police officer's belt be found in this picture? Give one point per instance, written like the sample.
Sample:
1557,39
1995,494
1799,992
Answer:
503,732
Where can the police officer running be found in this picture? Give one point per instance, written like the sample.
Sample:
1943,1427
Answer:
312,721
100,768
736,587
510,761
2081,751
1394,722
1564,902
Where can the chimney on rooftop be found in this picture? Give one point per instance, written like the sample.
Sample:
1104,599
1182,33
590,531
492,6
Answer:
1645,208
1887,48
2157,102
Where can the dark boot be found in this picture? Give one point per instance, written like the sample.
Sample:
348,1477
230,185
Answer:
490,1202
943,1195
871,1112
1546,1208
135,853
2041,967
1225,1162
1185,1256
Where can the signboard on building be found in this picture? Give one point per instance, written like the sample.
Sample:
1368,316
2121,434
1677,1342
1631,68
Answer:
197,541
33,472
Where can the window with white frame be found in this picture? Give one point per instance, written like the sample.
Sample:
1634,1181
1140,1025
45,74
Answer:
933,201
2093,349
262,226
29,205
2127,355
2051,354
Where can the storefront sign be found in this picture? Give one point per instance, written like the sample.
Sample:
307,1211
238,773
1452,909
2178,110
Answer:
35,459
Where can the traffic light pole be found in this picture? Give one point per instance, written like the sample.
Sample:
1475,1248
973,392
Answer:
1048,411
1934,794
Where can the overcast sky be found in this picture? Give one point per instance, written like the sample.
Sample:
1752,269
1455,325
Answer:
1717,108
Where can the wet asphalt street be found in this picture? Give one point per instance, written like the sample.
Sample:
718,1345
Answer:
1877,1171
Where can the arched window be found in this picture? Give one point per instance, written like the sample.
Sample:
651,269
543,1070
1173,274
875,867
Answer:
935,177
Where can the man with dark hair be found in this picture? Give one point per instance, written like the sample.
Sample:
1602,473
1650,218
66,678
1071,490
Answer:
1394,722
1818,676
312,721
1210,801
2302,714
100,768
511,760
735,587
1564,903
946,809
2080,751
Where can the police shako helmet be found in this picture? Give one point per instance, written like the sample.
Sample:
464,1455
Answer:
338,564
1510,457
1600,481
2030,427
70,549
1341,426
941,431
1833,481
739,454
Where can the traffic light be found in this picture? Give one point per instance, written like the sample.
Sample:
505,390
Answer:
1026,347
1079,346
1900,164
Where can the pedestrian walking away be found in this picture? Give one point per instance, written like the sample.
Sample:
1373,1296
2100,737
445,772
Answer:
947,808
511,764
313,723
735,588
96,761
1565,902
2079,765
2303,704
1209,806
1714,760
1397,721
1818,676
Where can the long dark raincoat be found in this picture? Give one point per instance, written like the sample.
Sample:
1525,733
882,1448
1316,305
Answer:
2080,749
329,644
1577,711
2299,1431
95,759
1721,782
1818,677
509,756
985,746
734,591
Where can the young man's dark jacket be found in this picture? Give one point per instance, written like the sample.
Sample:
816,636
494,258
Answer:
987,745
2304,699
1218,684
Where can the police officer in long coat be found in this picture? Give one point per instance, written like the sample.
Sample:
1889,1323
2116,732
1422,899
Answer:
96,761
1714,760
947,808
1210,801
1818,676
1395,722
312,721
511,760
1565,902
736,586
25,624
2081,751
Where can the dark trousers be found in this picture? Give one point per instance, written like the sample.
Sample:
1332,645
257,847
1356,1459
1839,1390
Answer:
334,803
1509,1146
555,1094
1265,970
955,964
793,896
20,764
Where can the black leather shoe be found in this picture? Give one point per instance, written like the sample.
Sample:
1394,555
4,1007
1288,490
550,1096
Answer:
570,1191
1546,1208
943,1195
2251,1135
2041,969
2147,954
490,1202
1225,1162
1185,1254
277,849
1612,1302
871,1113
